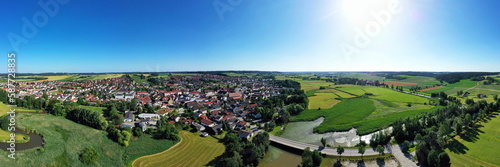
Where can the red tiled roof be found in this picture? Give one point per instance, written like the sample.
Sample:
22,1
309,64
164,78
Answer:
206,122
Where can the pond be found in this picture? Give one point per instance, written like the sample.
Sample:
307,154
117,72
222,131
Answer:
303,132
34,142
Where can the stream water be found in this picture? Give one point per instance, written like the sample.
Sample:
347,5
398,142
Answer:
303,132
35,141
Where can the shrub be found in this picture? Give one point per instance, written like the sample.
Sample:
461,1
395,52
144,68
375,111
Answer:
89,156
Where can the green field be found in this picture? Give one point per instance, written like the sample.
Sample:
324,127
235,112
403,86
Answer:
64,140
477,147
385,94
365,114
91,77
323,100
454,88
193,150
4,135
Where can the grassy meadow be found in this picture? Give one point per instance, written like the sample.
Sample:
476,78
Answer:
477,147
5,135
365,114
65,139
347,106
193,150
385,94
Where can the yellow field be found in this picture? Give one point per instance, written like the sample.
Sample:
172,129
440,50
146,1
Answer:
323,100
339,93
193,150
55,78
4,136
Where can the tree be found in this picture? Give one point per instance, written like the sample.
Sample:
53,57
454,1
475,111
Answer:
138,131
432,158
88,117
340,150
444,159
307,158
317,158
380,149
406,146
361,150
323,141
89,156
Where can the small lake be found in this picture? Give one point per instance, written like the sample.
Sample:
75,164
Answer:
303,132
35,141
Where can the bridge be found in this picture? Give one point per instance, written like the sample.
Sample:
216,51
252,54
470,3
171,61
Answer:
404,159
327,150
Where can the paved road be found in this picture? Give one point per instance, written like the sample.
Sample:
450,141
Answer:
404,159
327,151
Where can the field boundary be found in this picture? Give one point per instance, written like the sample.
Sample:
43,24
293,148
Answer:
133,162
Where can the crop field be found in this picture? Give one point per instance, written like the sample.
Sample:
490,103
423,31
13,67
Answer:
420,80
312,85
454,88
385,94
91,77
193,150
336,92
323,100
365,114
478,147
364,76
429,89
394,83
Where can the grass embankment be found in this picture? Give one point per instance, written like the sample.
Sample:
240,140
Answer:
5,135
65,139
193,150
478,146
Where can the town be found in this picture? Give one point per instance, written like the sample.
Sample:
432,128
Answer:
206,102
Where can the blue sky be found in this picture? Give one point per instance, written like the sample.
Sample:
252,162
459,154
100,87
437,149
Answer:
278,35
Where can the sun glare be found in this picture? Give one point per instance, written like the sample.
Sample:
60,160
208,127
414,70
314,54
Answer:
359,10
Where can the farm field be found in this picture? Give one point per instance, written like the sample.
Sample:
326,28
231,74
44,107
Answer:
365,114
394,83
453,88
385,94
193,150
91,77
429,89
420,80
478,147
323,100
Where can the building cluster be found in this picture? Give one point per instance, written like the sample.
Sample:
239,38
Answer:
212,101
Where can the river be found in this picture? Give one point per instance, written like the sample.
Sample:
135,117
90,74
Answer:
303,132
34,142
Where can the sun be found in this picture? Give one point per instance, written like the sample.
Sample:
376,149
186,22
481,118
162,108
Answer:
358,11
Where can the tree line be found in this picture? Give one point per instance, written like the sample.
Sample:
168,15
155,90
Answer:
241,152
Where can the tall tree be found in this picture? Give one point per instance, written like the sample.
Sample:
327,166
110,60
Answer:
340,150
